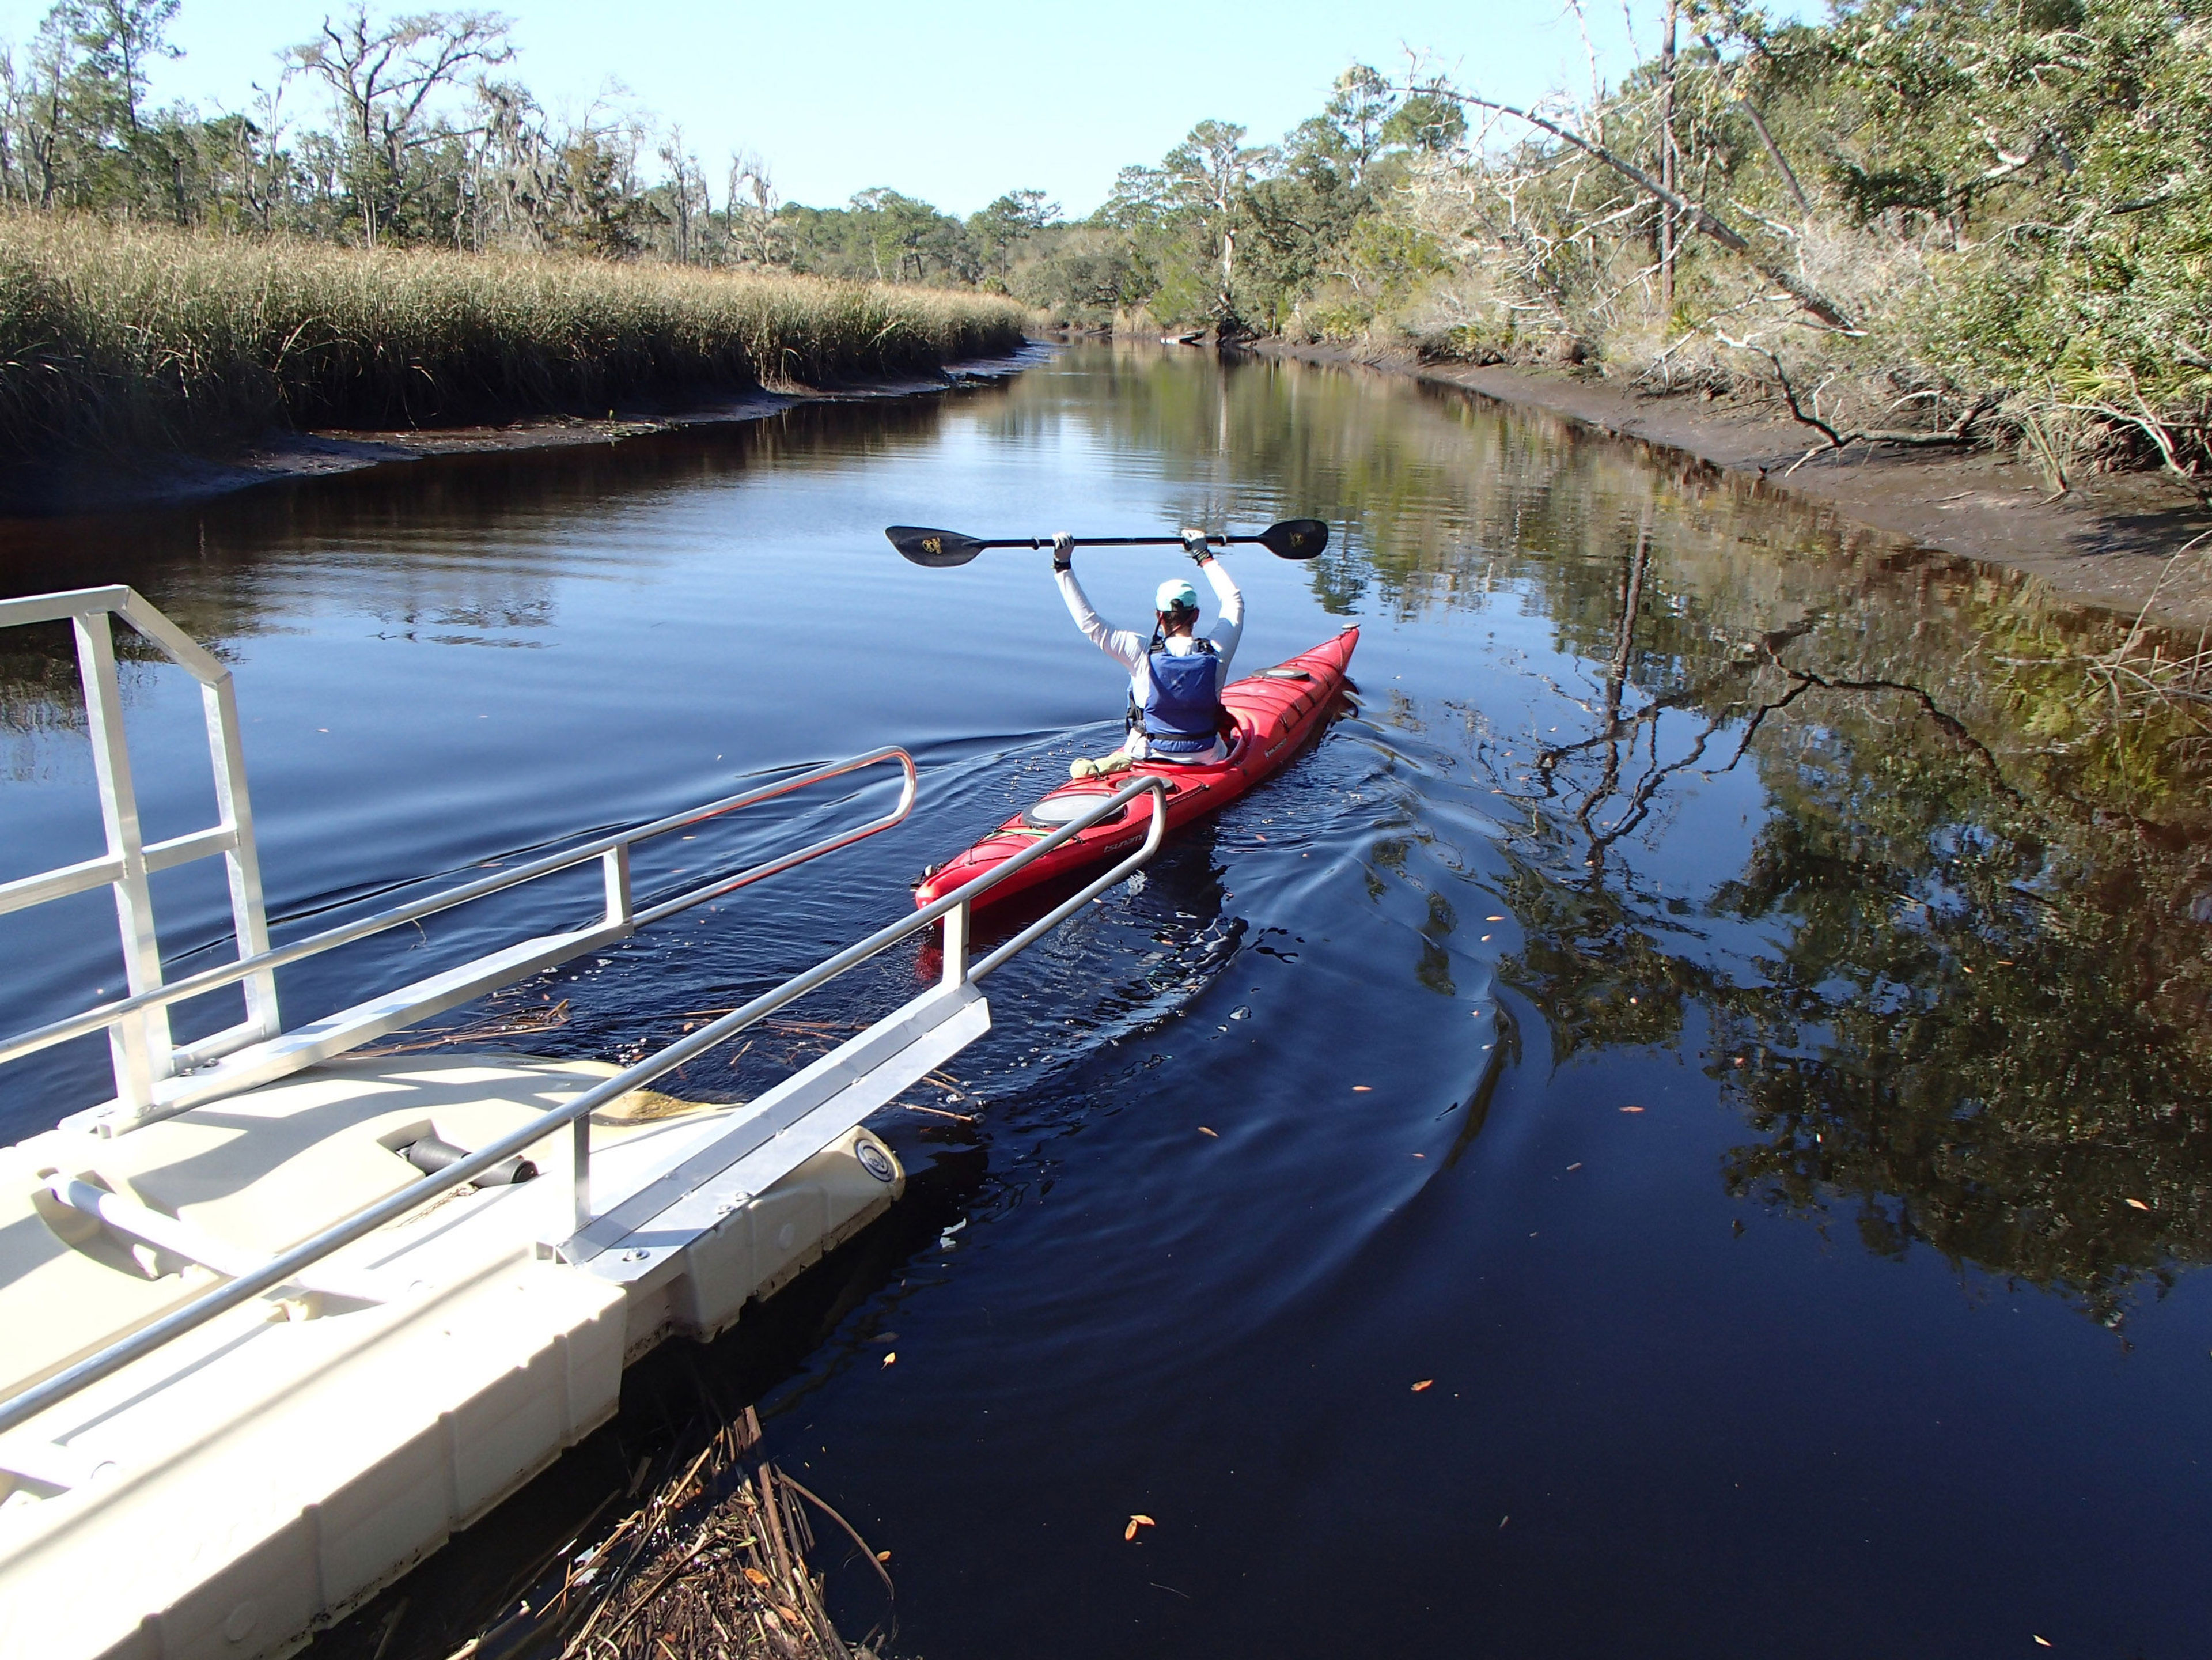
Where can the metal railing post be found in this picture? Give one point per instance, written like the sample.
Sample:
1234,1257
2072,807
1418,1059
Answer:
241,860
582,1144
615,863
140,1044
956,944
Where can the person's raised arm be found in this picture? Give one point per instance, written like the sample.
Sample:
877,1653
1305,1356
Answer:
1123,647
1230,629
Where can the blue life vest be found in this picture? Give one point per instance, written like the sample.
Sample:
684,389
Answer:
1182,709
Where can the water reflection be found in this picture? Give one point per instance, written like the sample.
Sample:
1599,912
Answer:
462,550
1811,846
1958,984
1952,978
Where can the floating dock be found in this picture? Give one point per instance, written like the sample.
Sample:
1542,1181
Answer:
282,1316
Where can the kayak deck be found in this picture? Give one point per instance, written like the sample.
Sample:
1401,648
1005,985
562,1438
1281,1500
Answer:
1273,712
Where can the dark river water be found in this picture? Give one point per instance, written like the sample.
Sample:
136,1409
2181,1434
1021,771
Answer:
1815,1275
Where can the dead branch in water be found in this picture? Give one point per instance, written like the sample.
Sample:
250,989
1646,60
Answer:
523,1022
713,1564
723,1574
2179,680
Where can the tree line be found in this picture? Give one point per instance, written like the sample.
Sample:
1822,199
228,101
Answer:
1931,221
413,131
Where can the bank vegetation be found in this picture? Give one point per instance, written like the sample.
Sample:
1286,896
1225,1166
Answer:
1923,222
117,338
391,233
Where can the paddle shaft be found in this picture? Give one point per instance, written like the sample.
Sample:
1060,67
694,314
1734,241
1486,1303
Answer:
1111,541
1294,538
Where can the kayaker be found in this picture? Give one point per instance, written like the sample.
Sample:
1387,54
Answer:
1176,678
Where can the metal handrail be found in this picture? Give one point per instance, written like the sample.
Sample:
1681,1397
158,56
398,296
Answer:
20,1408
614,847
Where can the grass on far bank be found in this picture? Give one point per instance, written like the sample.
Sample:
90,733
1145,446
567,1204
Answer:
123,339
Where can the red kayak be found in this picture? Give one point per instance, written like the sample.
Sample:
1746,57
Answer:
1274,710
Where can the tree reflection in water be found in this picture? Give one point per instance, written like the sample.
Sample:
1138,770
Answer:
1975,1016
1959,988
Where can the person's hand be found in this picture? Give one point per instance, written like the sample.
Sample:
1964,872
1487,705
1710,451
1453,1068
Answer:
1195,544
1063,550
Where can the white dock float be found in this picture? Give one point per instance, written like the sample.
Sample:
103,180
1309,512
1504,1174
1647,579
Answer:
275,1323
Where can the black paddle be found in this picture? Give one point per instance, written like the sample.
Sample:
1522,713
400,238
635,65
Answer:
1294,538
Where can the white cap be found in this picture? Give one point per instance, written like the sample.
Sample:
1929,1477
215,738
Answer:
1176,594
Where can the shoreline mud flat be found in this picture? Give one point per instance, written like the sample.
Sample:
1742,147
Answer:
2110,542
99,484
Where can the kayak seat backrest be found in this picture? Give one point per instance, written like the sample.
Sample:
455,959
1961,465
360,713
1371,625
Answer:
1283,674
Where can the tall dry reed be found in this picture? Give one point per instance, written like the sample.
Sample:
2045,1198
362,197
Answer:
123,339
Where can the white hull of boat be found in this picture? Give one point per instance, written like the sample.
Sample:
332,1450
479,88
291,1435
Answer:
242,1487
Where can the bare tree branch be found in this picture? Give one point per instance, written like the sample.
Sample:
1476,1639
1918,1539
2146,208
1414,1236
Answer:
1758,125
1798,290
1959,432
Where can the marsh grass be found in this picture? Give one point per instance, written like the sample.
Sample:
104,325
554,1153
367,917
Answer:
124,340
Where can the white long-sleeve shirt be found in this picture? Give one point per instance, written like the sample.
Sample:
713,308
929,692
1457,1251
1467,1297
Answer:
1127,647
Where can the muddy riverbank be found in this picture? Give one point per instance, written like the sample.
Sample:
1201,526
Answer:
2110,541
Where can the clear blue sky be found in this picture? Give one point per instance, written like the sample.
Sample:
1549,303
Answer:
949,101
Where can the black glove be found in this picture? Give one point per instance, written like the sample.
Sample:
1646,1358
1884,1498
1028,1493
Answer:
1195,544
1063,550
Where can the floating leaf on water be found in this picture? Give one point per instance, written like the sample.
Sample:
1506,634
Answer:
1136,1522
2138,1204
2043,1642
1632,1109
883,1556
892,1356
1422,1384
1363,1089
1202,1130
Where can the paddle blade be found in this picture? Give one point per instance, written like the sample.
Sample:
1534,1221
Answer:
1295,538
937,547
